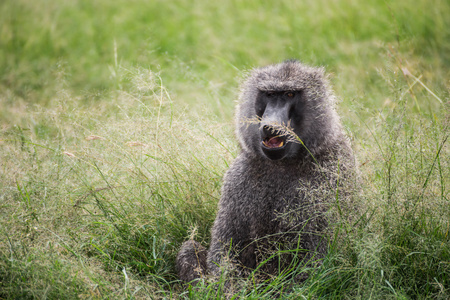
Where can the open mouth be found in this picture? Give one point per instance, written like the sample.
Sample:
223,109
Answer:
274,142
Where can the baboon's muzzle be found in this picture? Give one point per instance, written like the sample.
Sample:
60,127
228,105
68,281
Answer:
274,121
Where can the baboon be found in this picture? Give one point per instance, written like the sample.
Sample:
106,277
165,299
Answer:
291,177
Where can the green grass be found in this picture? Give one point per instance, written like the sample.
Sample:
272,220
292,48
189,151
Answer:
116,130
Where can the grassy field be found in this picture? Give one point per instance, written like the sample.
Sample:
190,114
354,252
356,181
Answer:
116,130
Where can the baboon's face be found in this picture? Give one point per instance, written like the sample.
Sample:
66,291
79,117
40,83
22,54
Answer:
294,111
281,115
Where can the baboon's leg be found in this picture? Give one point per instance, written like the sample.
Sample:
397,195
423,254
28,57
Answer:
191,261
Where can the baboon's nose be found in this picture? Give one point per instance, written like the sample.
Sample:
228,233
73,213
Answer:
268,130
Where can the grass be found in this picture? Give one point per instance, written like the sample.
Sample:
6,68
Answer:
116,129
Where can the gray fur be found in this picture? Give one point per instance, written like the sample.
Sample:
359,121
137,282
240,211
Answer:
191,261
267,205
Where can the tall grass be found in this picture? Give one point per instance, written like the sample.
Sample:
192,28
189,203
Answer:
400,246
116,129
124,191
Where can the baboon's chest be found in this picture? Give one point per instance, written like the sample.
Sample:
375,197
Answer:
271,198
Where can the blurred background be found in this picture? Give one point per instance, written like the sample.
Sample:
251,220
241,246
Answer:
200,48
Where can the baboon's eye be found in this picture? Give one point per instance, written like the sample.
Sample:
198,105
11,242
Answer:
290,94
270,94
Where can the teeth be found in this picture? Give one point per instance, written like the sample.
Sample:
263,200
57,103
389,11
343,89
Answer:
269,145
